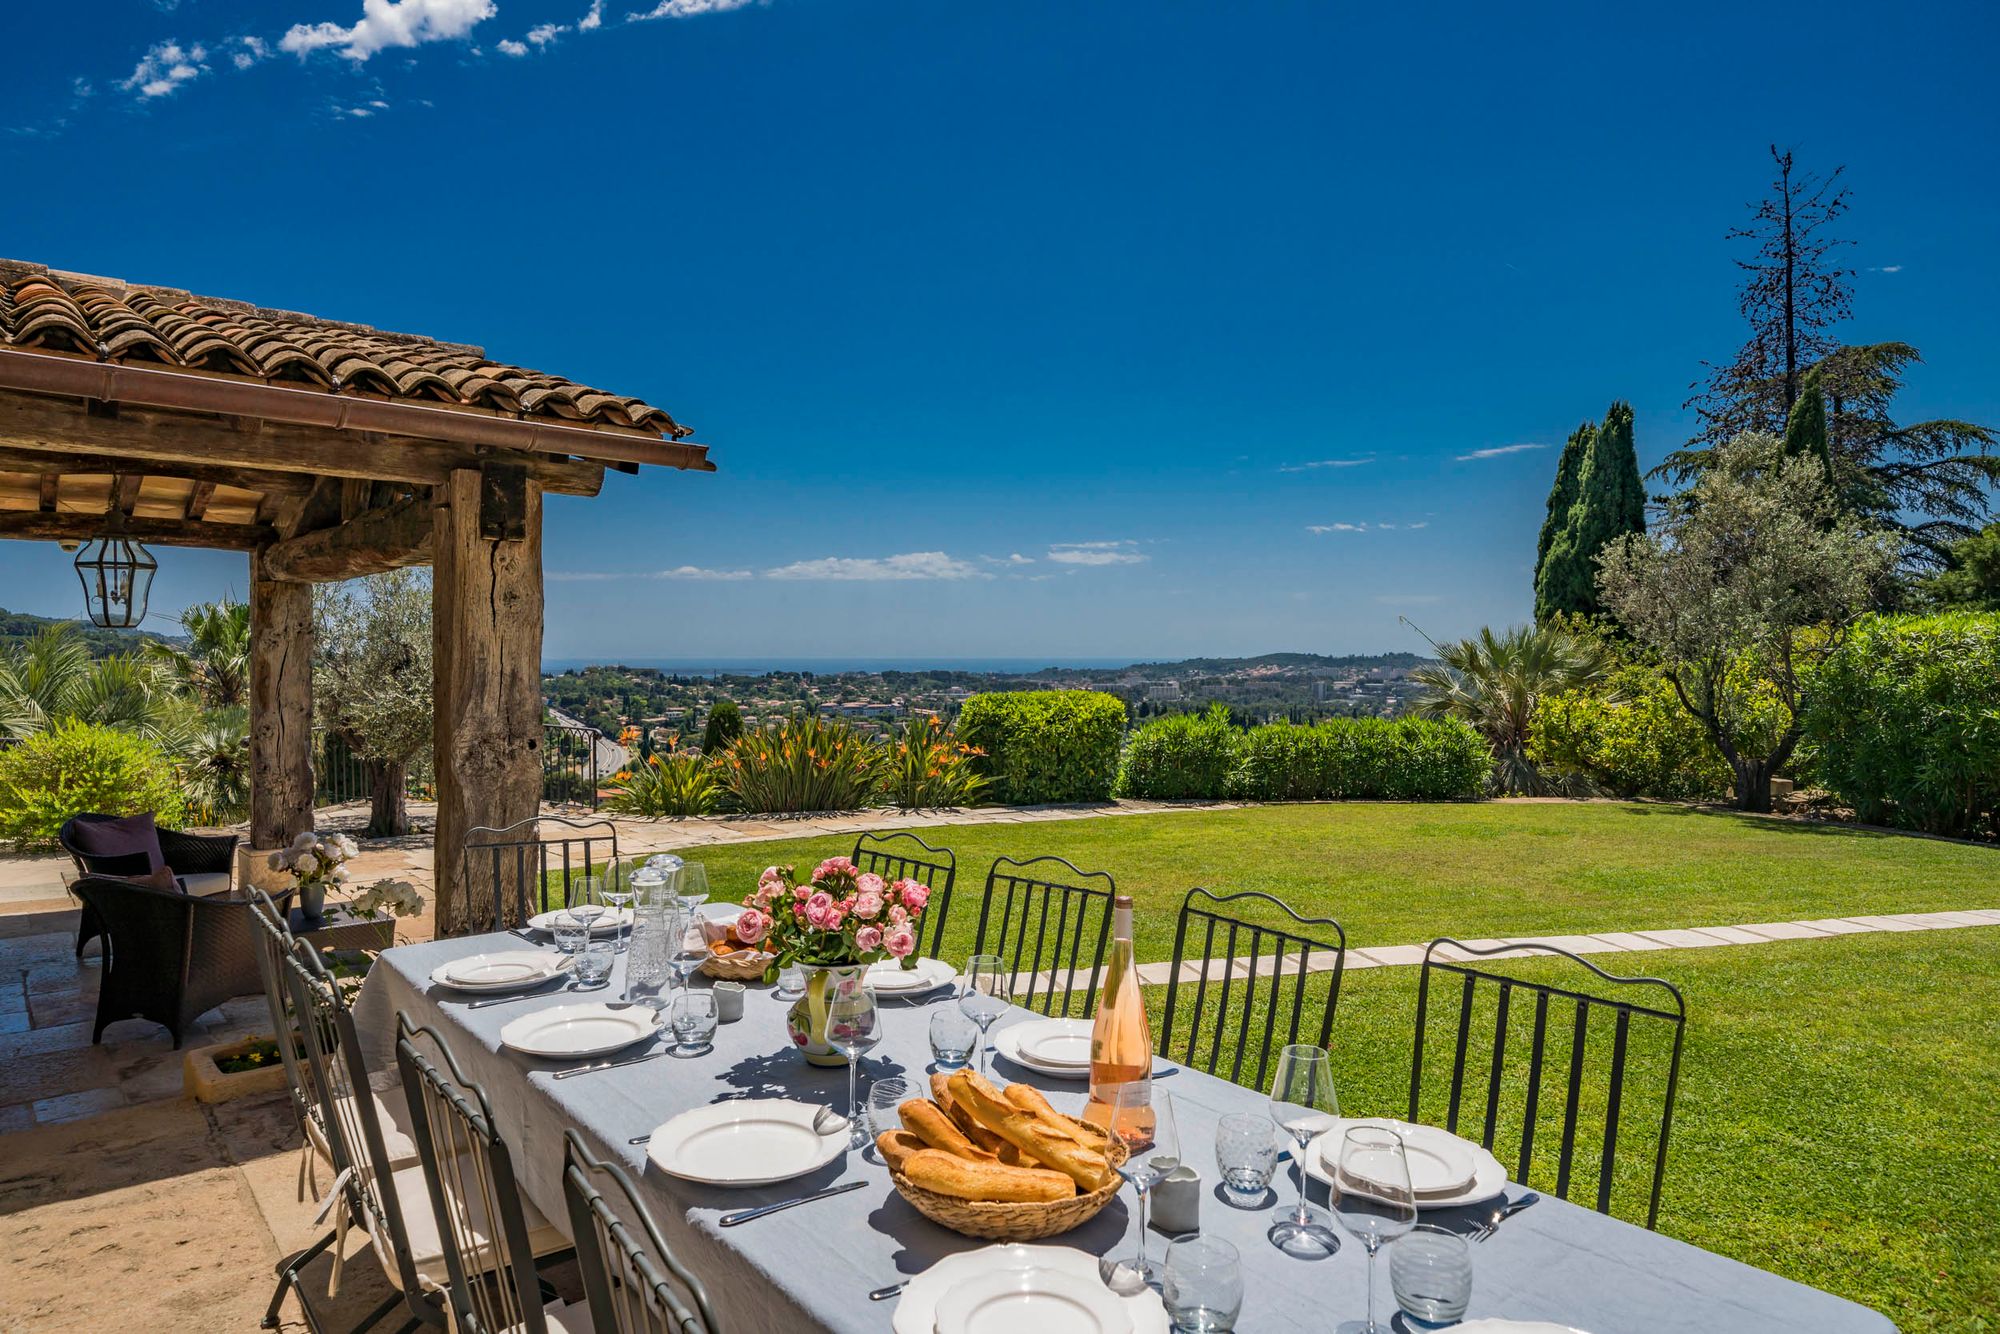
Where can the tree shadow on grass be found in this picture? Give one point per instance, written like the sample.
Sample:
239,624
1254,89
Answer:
1772,824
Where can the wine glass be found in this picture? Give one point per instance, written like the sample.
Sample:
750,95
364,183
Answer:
1143,1122
853,1026
1303,1104
985,996
1373,1199
692,887
586,899
686,950
617,890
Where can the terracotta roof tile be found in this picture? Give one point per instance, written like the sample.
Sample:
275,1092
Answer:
112,320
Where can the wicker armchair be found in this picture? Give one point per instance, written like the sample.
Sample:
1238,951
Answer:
169,956
184,854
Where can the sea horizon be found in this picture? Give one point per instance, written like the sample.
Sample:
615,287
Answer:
719,666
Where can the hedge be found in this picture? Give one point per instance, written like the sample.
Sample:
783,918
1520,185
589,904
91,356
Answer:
1409,759
1903,722
1180,756
1631,736
1045,745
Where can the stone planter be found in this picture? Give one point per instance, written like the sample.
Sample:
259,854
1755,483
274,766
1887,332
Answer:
205,1081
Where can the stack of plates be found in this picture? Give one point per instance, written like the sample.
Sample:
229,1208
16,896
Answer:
1444,1169
890,978
507,970
1058,1047
1007,1288
606,923
568,1032
745,1142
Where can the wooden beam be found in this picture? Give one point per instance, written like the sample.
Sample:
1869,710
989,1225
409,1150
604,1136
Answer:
317,508
59,462
45,526
200,498
50,482
281,647
373,541
125,492
486,599
44,424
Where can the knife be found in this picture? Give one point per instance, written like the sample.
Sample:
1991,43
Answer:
610,1065
745,1215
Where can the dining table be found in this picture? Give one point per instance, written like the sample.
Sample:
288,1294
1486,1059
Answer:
811,1268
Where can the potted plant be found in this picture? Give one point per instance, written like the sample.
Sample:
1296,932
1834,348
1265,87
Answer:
315,861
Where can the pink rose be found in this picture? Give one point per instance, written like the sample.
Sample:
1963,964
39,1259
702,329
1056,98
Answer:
867,906
751,925
898,914
868,939
819,908
834,868
901,941
915,896
870,883
802,891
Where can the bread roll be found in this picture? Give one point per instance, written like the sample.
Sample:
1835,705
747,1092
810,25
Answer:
970,1179
922,1119
896,1147
1088,1168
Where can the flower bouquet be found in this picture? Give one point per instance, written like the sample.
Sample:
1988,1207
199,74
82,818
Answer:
315,861
833,925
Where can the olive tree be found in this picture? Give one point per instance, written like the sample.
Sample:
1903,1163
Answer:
1752,576
372,680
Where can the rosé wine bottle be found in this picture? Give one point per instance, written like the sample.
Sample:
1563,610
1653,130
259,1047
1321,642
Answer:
1121,1040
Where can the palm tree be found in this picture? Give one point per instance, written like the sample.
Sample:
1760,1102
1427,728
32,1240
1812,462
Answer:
1495,682
216,759
52,676
215,665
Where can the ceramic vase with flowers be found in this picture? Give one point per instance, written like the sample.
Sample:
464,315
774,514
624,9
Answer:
832,926
315,861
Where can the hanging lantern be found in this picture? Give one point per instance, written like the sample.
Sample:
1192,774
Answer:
117,574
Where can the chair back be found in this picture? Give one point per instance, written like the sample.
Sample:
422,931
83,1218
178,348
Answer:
901,855
632,1280
347,1109
517,867
1015,922
1487,1001
1289,982
273,939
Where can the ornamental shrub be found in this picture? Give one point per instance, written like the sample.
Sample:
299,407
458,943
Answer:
1631,736
926,768
1045,745
1903,722
1180,756
667,784
1409,759
76,767
804,764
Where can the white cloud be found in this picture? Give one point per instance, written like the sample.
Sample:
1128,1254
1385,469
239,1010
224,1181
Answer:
1336,527
165,67
509,47
391,23
594,19
1094,553
252,50
909,565
1326,463
544,33
687,9
692,572
1887,268
1496,452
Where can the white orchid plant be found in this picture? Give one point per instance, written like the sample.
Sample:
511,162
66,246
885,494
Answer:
316,859
397,896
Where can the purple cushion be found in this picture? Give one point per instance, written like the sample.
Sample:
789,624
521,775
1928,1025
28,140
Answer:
128,845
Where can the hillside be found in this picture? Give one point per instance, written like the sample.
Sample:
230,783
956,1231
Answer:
18,627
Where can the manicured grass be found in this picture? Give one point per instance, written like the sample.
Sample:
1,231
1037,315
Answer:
1397,874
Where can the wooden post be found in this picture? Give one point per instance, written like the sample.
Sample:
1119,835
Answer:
486,604
281,647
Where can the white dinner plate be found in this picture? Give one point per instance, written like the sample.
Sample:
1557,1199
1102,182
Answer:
745,1142
1440,1162
917,1310
890,978
506,970
1047,1301
604,924
719,912
1489,1178
569,1031
1057,1042
1008,1043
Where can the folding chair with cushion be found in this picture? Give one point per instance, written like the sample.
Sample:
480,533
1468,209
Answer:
631,1279
130,847
904,856
1648,1019
487,1236
1277,955
516,868
1044,919
169,956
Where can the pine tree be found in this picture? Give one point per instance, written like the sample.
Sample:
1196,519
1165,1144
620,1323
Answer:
1563,494
1610,502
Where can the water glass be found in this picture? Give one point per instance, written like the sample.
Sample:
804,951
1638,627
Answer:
953,1036
571,932
1430,1271
1246,1155
1202,1285
791,983
593,962
884,1097
692,1018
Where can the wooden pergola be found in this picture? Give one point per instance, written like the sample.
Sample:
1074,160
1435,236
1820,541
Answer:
326,451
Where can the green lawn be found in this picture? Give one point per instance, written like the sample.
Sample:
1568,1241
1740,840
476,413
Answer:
1838,1099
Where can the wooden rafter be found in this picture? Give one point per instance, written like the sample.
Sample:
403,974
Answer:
50,483
125,492
199,499
37,526
60,463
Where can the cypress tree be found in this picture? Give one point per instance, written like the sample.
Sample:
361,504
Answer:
1610,502
1562,495
725,724
1805,428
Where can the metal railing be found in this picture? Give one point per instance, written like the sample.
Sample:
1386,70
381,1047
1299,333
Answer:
569,765
570,772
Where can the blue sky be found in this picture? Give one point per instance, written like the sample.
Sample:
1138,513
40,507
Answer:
1038,329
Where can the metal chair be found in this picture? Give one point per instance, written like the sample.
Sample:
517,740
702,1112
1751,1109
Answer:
1025,893
630,1278
1667,1010
274,943
517,862
892,857
1317,967
488,1241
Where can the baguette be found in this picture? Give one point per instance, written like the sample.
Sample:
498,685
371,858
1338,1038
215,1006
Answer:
922,1119
941,1089
896,1147
1030,1100
962,1117
969,1179
1088,1168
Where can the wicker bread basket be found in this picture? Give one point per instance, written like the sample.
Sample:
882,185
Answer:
740,966
998,1220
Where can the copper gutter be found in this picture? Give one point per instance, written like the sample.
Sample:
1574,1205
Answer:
152,387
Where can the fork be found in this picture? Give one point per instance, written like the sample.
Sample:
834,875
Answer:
1492,1225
